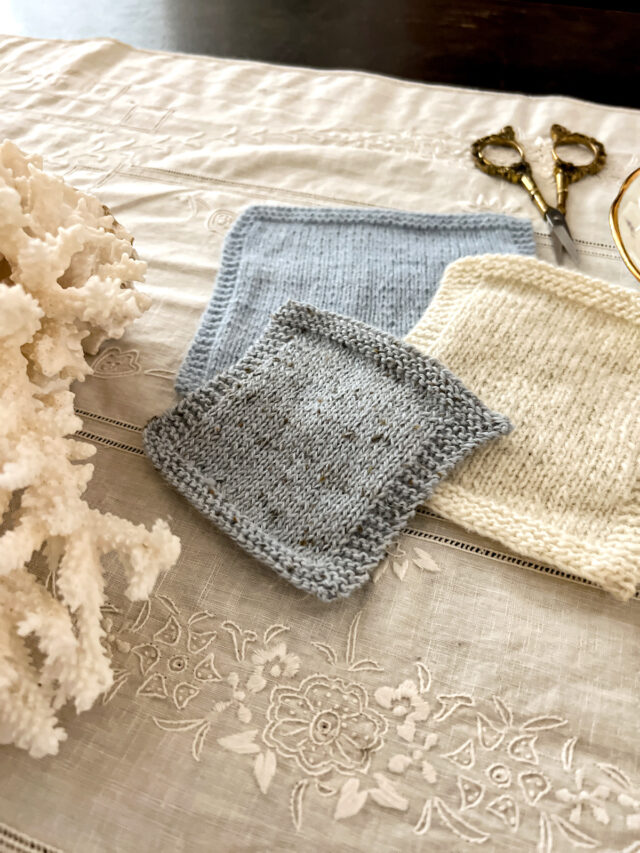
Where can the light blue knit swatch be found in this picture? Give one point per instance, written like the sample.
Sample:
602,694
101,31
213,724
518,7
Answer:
315,449
378,266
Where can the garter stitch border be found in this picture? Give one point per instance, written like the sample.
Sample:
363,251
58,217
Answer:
492,499
206,355
201,432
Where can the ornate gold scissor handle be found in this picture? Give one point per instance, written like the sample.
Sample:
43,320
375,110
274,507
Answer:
567,173
516,173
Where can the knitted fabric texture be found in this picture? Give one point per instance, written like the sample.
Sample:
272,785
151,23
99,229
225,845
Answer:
559,353
378,266
314,450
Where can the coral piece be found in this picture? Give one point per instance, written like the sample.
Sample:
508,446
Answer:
66,269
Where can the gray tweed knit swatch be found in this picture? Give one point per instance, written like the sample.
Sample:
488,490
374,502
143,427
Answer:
378,266
314,450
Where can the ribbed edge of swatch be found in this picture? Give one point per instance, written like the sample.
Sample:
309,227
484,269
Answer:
613,564
193,371
339,573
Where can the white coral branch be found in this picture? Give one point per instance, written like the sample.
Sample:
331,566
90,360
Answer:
66,273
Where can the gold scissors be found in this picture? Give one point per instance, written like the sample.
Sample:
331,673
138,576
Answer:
565,173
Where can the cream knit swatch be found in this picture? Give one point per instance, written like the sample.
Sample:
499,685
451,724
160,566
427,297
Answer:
559,354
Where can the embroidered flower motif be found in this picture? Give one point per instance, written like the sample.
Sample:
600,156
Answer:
324,724
594,800
116,362
404,701
275,662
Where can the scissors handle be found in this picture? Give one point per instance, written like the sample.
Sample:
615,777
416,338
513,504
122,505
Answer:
566,173
516,173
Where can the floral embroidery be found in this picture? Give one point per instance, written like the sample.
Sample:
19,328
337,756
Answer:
582,798
324,725
399,560
116,362
276,661
449,762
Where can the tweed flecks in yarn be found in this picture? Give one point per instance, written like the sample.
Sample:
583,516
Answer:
378,266
314,450
559,353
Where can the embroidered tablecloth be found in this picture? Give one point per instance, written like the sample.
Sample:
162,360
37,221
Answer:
467,697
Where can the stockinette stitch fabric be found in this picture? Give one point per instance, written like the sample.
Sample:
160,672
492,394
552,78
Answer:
378,266
314,450
559,353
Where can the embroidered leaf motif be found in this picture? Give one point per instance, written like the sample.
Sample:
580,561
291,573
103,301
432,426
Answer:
365,666
352,638
600,814
407,730
400,570
272,632
242,743
424,821
616,774
200,616
324,790
198,641
206,670
399,763
575,836
169,605
143,616
545,837
460,827
351,799
424,677
244,714
295,802
264,769
120,676
538,724
327,651
471,792
523,749
177,725
534,786
423,560
155,687
199,739
450,704
463,756
505,713
506,808
239,638
183,693
387,795
489,736
170,632
148,656
428,773
567,753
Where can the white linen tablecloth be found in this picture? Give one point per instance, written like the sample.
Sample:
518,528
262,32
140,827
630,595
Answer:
499,702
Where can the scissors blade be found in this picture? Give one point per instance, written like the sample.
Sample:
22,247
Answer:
560,231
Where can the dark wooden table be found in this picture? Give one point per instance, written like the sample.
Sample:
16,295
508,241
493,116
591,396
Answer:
588,49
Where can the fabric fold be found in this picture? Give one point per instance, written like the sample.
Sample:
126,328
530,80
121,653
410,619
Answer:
314,450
